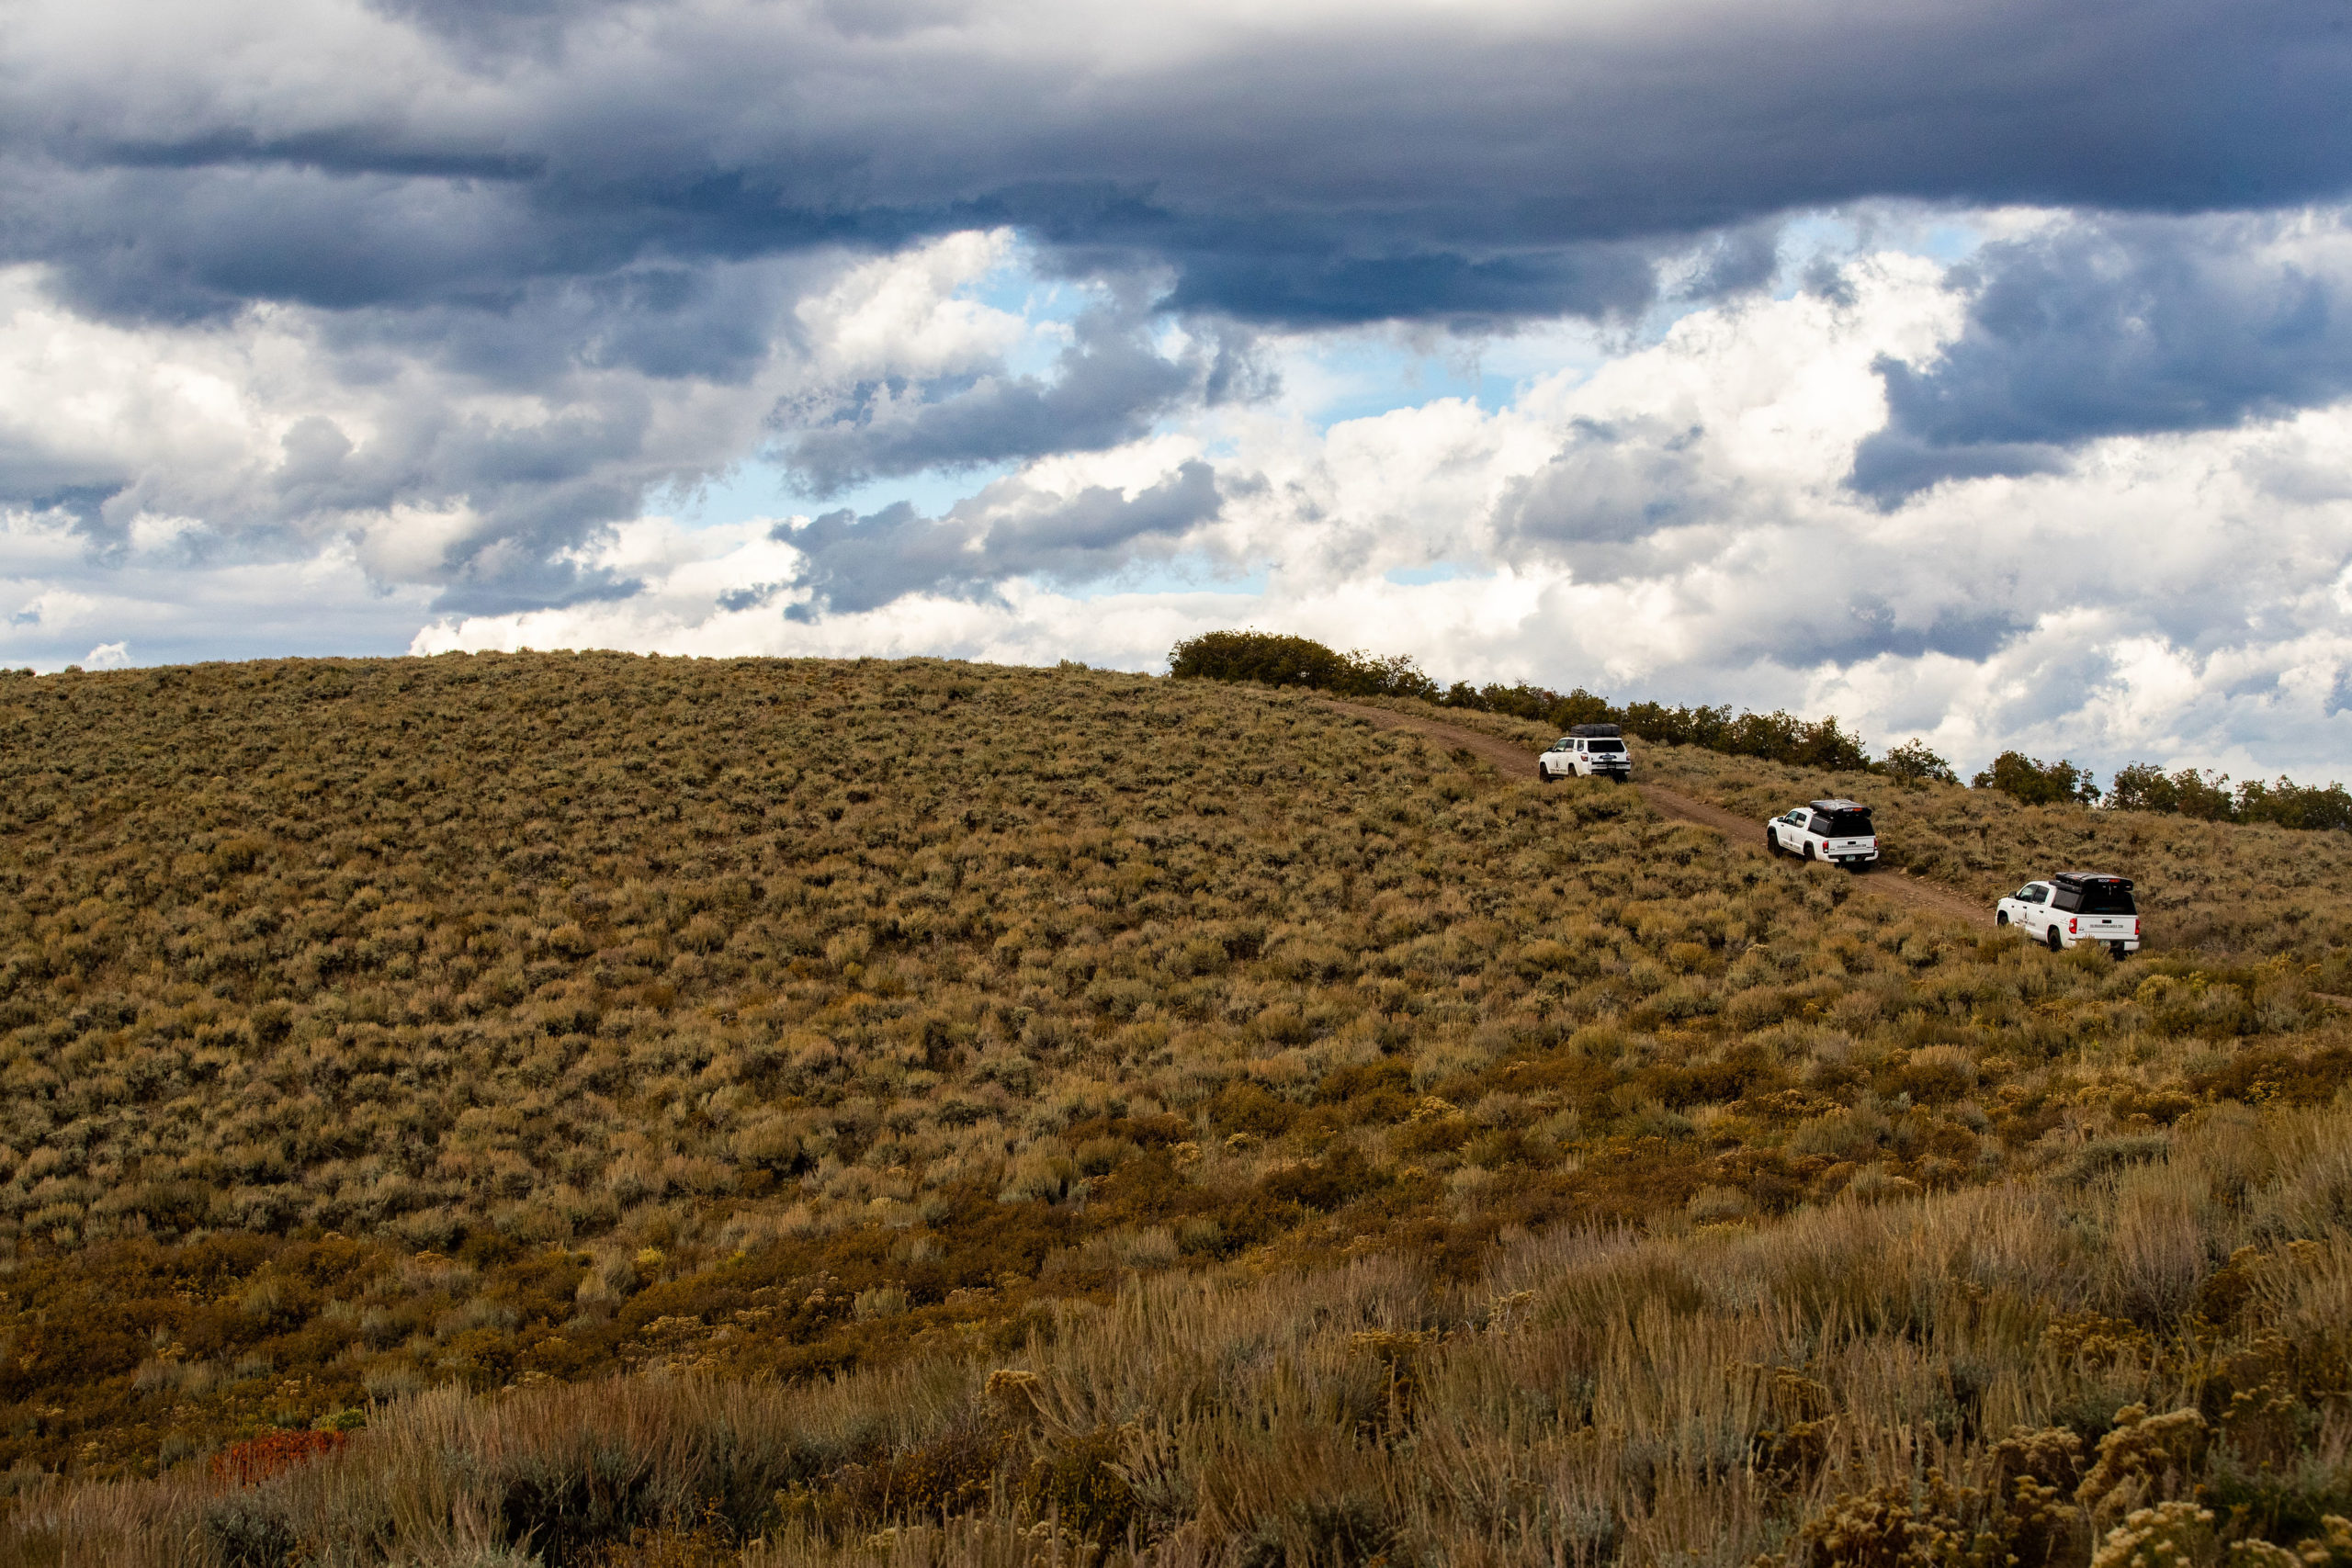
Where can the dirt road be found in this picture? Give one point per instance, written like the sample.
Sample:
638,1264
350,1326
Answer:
1746,836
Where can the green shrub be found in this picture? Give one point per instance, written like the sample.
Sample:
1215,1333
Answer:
2036,783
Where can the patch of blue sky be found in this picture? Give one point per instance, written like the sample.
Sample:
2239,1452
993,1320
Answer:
1952,242
1810,237
1048,305
1506,363
1938,234
931,492
1364,375
1438,572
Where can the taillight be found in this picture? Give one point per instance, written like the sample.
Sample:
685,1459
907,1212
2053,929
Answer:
2072,926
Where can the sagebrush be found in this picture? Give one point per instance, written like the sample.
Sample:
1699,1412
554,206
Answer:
624,1047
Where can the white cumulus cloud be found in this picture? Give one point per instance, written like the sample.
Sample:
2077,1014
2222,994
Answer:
1676,522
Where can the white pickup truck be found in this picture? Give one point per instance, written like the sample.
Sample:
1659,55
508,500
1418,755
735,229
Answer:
2072,907
1589,751
1838,831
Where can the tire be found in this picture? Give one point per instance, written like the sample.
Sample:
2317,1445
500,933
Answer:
1772,844
2000,916
1808,848
1543,773
2056,944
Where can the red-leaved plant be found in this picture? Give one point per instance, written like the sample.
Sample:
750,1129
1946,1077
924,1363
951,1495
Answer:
255,1460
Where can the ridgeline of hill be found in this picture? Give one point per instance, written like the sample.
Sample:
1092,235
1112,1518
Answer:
1818,744
688,1111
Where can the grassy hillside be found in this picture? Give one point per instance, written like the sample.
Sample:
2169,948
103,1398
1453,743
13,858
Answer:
1178,1116
2211,889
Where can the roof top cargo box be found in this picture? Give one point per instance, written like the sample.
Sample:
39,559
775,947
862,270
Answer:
1589,731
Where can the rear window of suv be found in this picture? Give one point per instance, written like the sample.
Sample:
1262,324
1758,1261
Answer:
1604,745
2094,898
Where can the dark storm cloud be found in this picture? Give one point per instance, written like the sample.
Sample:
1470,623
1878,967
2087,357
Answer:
596,207
533,494
1107,389
1645,500
2115,328
1399,167
1007,531
1602,503
1893,465
1872,630
534,491
498,29
574,370
666,322
489,584
342,152
1324,282
1734,262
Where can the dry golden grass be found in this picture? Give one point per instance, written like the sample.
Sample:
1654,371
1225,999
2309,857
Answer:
2175,1330
658,1098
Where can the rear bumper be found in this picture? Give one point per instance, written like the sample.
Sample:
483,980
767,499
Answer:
2113,944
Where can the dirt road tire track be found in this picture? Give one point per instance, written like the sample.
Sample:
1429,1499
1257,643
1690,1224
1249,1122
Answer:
1747,837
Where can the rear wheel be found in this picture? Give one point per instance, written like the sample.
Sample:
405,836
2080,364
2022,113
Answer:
2051,936
1808,848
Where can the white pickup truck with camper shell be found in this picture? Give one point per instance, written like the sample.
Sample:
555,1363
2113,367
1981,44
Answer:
1586,751
1838,831
2073,908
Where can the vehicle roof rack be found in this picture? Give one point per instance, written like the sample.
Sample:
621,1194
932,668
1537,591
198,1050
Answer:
1591,730
2082,877
1842,804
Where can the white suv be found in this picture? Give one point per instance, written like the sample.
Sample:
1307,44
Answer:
2075,907
1838,831
1587,751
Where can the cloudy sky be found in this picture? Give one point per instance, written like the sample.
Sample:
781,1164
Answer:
1980,370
